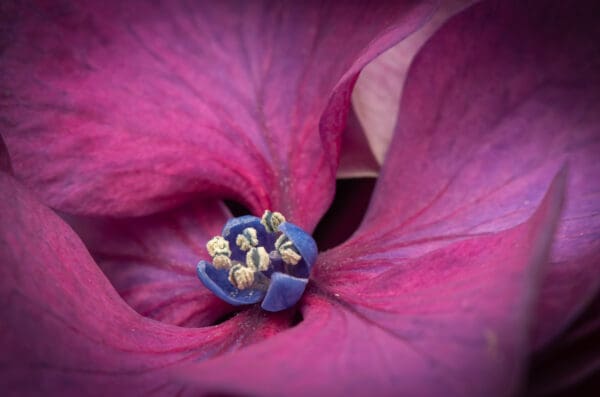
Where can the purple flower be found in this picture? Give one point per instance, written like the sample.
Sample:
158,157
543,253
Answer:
128,123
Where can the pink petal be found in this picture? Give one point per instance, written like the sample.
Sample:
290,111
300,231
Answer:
453,322
151,261
65,331
378,89
124,108
495,103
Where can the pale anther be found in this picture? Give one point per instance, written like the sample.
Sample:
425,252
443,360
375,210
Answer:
290,256
258,258
241,277
272,220
218,246
221,262
287,250
247,239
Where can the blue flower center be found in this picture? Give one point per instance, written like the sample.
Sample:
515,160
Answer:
259,259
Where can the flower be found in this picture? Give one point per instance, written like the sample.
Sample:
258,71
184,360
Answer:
269,260
132,121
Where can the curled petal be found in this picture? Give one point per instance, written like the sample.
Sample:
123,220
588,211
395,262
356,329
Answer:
480,134
284,291
413,330
379,87
307,248
125,108
66,331
151,261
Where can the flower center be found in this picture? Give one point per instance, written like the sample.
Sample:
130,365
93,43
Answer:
256,259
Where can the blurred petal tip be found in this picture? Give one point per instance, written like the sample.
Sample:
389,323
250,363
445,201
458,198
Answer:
259,259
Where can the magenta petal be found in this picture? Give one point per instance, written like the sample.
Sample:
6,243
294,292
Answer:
151,261
66,332
378,89
129,107
453,322
482,132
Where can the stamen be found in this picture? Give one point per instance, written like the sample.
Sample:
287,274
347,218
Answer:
272,220
241,277
290,256
218,246
247,239
287,250
258,258
221,262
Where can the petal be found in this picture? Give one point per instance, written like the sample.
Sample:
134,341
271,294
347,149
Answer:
151,261
65,331
307,248
463,332
217,280
124,108
284,291
481,133
378,89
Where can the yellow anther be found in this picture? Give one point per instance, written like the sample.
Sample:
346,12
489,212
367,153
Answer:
241,277
221,262
247,239
218,246
287,250
258,258
272,220
290,256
